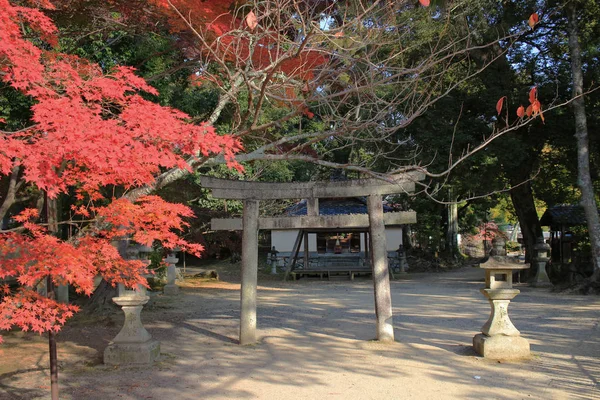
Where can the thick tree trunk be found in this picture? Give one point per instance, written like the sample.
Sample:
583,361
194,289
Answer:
452,227
407,238
101,300
584,179
522,199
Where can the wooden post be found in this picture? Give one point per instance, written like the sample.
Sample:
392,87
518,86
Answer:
249,273
381,279
306,250
292,263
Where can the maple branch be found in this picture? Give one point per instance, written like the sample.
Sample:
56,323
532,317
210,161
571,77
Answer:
495,135
20,130
13,187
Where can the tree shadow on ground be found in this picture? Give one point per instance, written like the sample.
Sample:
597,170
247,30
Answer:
315,339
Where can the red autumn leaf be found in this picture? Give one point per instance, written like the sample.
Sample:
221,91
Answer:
529,111
533,95
424,3
536,106
499,105
251,20
533,20
520,112
308,113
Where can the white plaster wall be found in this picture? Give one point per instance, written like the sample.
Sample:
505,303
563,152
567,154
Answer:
393,238
312,242
284,240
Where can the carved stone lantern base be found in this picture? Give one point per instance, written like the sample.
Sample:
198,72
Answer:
501,347
133,344
132,353
170,290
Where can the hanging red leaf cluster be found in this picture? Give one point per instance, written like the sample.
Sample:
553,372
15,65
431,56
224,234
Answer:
534,109
89,130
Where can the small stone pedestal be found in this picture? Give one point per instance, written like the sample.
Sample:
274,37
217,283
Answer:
133,344
499,339
541,259
171,287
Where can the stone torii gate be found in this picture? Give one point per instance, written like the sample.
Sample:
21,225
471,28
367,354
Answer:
252,192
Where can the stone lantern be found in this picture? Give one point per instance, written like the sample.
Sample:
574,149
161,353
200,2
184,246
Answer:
171,288
499,339
273,259
133,344
402,262
541,249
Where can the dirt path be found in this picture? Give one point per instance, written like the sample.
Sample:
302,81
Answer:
315,343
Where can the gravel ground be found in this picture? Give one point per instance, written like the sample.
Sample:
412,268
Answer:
315,342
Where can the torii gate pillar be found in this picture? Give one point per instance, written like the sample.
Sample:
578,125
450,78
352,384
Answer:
249,273
379,263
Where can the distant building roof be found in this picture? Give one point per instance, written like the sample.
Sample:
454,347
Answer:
564,214
352,205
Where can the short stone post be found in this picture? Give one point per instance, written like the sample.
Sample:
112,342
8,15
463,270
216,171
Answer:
499,339
273,258
541,278
402,262
171,287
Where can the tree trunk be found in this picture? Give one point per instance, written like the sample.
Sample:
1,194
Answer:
10,195
52,220
101,300
407,238
452,227
584,179
522,199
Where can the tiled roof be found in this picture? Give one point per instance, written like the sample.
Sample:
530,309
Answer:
353,205
564,214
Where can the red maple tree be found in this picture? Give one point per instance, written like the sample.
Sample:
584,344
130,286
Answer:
88,130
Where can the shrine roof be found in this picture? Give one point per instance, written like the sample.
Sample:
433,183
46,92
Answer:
564,214
341,206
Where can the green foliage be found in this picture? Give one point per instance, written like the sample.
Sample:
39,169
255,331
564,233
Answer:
513,246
